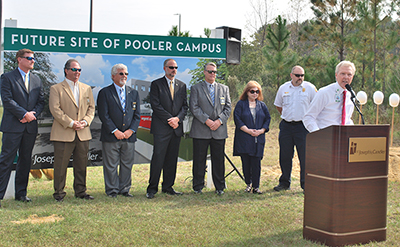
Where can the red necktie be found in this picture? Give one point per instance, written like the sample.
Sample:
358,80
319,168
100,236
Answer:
344,108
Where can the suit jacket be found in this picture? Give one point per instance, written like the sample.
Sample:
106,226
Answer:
164,107
17,101
202,109
65,110
112,115
243,142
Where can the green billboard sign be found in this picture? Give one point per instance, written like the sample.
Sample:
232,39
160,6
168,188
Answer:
41,40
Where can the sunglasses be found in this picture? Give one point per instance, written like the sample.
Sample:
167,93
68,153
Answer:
299,75
122,73
212,71
173,67
253,92
30,58
75,69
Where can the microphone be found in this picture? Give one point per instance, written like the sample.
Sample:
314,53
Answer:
354,100
353,95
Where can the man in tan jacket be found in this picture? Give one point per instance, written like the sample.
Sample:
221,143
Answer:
72,105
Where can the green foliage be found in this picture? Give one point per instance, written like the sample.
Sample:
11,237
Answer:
175,32
198,75
278,61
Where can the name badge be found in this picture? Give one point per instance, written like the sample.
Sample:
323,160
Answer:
134,106
222,100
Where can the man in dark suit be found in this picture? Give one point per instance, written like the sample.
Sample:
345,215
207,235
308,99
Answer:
22,96
118,106
168,100
210,105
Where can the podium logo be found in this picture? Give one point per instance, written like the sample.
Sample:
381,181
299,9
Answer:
353,148
367,149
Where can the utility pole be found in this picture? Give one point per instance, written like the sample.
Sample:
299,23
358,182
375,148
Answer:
91,16
179,27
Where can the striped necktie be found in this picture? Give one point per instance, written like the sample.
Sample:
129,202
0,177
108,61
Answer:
122,98
212,94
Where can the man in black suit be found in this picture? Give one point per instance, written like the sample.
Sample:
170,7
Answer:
118,106
22,96
168,100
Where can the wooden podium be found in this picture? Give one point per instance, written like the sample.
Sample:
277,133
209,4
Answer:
346,184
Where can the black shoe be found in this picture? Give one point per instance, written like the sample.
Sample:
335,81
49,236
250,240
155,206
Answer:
172,192
150,195
113,195
59,199
219,192
23,199
127,194
257,191
198,191
281,187
86,197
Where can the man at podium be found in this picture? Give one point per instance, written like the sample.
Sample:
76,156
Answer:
332,104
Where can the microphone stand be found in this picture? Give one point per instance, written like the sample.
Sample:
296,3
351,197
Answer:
352,98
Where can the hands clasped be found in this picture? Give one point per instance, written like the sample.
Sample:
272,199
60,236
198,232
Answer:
123,135
213,125
29,117
173,122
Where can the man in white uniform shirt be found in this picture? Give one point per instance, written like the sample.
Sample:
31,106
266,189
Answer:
292,101
327,106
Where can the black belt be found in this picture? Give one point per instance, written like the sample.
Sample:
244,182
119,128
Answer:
293,122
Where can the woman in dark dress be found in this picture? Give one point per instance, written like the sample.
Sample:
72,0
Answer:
252,122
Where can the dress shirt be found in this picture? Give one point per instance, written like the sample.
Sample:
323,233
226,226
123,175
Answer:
75,89
23,74
326,108
294,101
169,82
23,78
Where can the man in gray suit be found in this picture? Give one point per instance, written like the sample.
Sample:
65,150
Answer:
210,105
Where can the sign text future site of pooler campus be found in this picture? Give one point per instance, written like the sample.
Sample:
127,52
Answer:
109,43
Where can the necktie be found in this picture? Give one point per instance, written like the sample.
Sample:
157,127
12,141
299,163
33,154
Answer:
26,82
344,108
212,94
171,88
122,98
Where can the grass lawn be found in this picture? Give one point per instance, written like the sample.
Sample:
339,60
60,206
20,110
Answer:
234,219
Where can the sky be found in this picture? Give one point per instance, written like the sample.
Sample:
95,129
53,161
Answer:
151,17
148,17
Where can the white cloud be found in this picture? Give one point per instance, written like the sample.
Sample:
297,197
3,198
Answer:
141,62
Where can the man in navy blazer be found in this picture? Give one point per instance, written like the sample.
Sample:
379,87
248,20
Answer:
168,100
22,96
118,106
210,105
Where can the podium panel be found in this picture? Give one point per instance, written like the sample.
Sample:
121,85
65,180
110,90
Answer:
345,201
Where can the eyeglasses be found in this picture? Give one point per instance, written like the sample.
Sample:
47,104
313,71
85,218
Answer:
173,67
253,92
30,58
122,73
75,69
212,71
299,75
